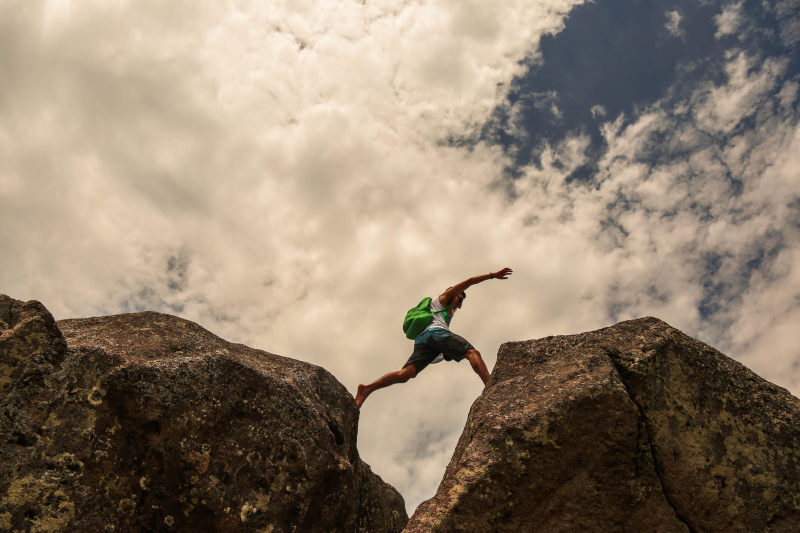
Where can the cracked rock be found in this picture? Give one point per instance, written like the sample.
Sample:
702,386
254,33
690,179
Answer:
636,427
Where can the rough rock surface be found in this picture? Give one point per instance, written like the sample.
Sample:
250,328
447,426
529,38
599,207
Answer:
147,422
636,427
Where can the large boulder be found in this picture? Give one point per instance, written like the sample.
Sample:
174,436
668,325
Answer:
636,427
147,422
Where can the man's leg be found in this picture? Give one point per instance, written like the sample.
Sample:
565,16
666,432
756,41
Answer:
477,364
399,376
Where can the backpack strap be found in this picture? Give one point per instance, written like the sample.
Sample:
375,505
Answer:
444,311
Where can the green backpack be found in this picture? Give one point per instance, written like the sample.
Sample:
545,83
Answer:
420,317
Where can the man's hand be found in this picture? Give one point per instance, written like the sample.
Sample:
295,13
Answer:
502,274
448,296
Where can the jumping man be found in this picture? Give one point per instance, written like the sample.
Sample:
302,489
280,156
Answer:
437,339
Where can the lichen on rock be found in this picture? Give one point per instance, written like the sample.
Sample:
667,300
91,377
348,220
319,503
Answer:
147,422
636,427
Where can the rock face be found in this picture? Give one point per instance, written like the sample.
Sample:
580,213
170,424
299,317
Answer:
147,422
636,427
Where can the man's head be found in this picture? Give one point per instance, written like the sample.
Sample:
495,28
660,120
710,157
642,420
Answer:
459,299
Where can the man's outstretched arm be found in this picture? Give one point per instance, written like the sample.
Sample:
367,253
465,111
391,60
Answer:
449,295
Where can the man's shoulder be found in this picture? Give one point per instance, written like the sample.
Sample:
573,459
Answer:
438,301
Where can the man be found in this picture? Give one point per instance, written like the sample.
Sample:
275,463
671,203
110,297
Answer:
437,339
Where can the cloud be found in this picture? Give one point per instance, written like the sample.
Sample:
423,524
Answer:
703,218
788,16
673,24
723,107
281,174
729,20
598,111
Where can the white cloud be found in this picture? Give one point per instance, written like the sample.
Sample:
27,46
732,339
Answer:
723,107
767,331
673,23
691,210
788,16
729,20
735,197
273,171
598,111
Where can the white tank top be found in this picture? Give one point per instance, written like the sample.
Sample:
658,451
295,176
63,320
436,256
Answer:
438,318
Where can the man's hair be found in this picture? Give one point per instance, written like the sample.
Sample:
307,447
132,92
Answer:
463,293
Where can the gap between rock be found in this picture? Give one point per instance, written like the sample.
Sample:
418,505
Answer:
653,454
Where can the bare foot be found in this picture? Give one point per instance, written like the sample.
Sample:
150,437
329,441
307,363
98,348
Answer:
361,395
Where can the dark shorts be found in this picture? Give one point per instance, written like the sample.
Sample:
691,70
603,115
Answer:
434,342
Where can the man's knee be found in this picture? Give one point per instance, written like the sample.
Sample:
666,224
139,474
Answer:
474,357
408,373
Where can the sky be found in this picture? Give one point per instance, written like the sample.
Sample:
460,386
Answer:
295,175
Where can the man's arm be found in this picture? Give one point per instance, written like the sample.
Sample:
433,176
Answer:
449,295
